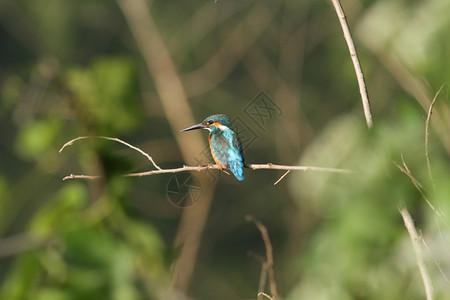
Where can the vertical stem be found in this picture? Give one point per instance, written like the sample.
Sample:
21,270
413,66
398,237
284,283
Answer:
427,133
269,255
415,239
359,73
262,281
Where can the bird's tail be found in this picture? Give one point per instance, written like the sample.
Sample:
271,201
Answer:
237,170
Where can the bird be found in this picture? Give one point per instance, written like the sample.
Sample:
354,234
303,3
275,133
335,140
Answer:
224,142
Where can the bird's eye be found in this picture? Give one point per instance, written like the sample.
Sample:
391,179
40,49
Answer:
210,122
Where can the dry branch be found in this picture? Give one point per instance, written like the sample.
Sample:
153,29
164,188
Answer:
405,170
69,143
415,239
356,64
427,133
265,295
216,167
269,257
193,168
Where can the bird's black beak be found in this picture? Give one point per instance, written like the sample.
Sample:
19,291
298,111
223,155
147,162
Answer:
198,126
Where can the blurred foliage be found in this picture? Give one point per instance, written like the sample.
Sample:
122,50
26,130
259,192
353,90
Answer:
107,83
73,68
360,245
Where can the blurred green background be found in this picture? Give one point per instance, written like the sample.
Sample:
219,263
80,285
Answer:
143,70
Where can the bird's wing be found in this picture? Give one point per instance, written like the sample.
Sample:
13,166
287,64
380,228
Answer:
238,145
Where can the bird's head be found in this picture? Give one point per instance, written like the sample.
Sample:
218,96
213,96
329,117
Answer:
213,123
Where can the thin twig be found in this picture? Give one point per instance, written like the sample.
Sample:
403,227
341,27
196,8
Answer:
265,295
216,167
193,168
415,86
427,133
405,170
269,255
418,186
282,176
415,239
437,264
78,176
69,143
262,280
356,64
256,256
295,168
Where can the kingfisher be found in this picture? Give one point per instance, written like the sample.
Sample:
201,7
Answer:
225,145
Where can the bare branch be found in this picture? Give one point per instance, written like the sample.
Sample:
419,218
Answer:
267,166
405,170
265,295
295,168
354,56
269,256
282,176
69,143
193,168
419,187
415,239
427,133
437,264
262,280
75,176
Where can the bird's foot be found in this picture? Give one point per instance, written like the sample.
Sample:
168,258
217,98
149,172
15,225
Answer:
208,165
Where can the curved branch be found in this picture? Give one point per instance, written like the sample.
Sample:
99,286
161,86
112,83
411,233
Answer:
216,167
194,168
268,264
69,143
356,64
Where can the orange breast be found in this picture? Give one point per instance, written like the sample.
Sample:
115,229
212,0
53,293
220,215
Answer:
214,155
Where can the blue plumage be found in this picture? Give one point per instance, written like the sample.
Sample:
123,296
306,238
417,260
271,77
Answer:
226,147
